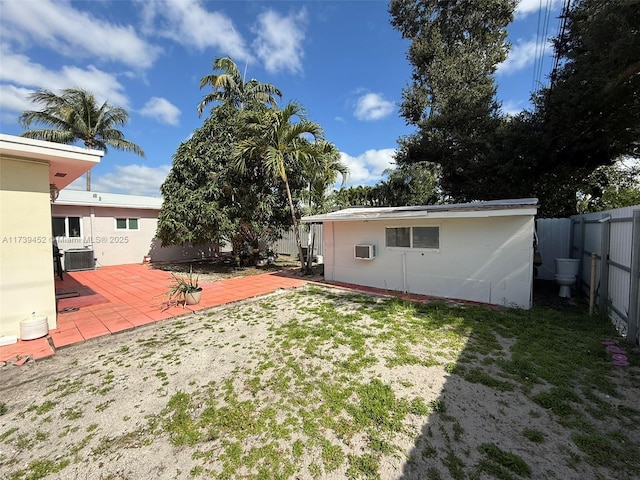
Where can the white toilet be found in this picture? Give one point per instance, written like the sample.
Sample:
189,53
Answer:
566,271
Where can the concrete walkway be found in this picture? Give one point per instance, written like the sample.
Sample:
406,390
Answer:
103,302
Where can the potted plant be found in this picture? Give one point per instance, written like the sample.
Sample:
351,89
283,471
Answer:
185,289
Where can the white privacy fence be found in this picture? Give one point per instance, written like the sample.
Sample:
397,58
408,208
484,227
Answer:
287,243
612,238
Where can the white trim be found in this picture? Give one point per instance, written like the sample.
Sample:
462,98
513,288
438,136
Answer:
66,236
494,208
128,223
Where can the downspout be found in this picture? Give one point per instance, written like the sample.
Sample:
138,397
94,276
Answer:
333,251
404,272
92,216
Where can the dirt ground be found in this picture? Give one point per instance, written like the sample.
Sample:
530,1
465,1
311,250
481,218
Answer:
94,411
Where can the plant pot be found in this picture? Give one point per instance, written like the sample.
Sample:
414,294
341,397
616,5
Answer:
193,298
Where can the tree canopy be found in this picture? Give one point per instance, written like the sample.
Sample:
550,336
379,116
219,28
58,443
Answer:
230,87
586,119
75,115
281,140
240,177
207,201
455,49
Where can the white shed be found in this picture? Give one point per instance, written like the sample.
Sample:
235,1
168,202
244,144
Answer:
480,251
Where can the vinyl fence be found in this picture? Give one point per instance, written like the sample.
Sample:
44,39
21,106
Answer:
611,239
287,244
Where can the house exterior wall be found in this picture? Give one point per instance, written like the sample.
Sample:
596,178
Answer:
112,246
98,232
485,259
26,276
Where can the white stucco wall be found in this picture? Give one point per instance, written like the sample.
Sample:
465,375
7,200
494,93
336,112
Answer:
98,232
26,261
118,247
488,259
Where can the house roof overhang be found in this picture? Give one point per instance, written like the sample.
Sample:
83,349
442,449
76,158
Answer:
66,162
112,200
493,208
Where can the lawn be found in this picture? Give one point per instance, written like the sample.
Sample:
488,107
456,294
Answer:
320,383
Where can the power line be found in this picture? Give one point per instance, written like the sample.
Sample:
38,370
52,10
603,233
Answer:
561,39
544,16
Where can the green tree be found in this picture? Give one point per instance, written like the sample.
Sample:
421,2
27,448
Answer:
587,118
455,49
280,139
591,110
229,87
207,201
321,173
410,184
75,115
609,187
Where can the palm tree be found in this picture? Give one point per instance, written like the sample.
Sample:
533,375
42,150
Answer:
229,87
322,172
76,116
272,136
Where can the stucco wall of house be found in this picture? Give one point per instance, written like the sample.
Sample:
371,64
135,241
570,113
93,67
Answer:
117,247
110,245
26,276
487,260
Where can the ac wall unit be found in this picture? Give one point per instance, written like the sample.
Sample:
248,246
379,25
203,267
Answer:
78,259
365,252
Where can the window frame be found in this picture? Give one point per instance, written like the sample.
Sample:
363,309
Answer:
128,224
411,246
66,226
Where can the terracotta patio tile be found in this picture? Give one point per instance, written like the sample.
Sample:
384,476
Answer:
140,319
66,338
134,298
93,331
116,323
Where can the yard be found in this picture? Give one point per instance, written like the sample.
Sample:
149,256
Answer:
321,383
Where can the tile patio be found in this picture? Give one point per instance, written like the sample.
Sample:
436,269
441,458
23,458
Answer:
102,302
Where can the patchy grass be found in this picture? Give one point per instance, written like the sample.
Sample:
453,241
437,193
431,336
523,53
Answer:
342,385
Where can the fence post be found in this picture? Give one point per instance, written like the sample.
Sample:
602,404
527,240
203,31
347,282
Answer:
634,288
583,232
605,245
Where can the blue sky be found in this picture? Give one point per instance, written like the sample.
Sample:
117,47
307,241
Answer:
341,60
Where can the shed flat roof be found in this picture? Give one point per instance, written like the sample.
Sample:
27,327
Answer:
491,208
100,199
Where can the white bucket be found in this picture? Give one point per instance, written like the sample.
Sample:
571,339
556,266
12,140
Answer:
34,326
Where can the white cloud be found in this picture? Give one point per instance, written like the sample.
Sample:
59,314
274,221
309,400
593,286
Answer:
522,55
367,168
58,25
513,108
189,23
525,7
279,41
130,179
20,76
14,99
161,110
372,106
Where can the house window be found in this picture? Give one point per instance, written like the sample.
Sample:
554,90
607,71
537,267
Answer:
127,224
413,237
68,227
425,237
398,237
